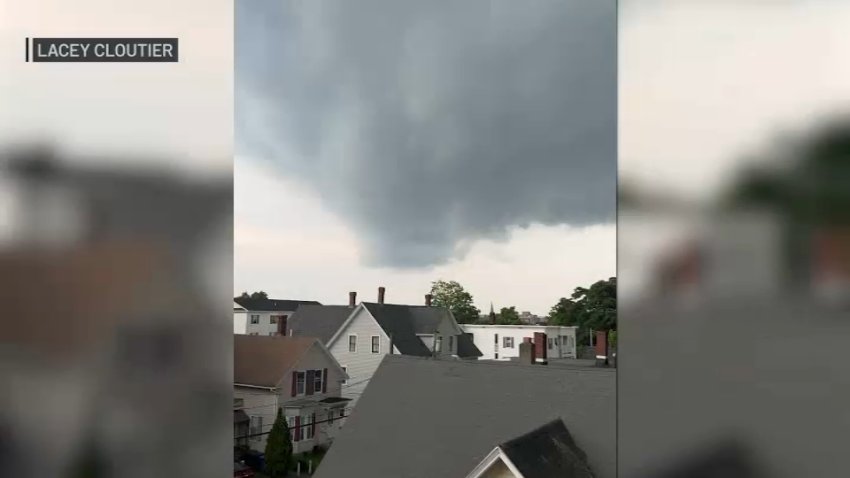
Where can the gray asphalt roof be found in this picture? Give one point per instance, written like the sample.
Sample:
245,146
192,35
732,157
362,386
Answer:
320,321
421,417
547,452
466,347
272,305
403,322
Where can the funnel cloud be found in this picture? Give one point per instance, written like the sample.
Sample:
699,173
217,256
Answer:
427,125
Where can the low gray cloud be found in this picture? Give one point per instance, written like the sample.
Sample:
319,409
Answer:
425,125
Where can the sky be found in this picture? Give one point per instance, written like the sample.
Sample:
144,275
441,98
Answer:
469,141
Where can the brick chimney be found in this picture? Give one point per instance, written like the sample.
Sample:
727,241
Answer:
428,300
541,347
381,292
602,348
352,299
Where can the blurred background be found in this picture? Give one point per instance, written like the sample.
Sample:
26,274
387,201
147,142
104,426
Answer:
733,238
116,245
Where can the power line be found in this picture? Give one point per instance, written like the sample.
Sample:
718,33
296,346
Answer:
251,435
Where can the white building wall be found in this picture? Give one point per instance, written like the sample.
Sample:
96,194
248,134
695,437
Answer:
561,339
362,363
263,319
240,323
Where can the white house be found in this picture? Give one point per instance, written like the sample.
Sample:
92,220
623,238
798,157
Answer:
295,374
264,316
359,336
501,342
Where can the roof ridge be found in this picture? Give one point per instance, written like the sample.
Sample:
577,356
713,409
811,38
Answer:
493,363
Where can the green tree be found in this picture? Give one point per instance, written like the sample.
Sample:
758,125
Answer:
592,308
278,447
254,295
453,296
508,316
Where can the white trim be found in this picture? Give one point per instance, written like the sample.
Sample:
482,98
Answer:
510,464
496,455
485,464
355,343
271,389
371,344
346,323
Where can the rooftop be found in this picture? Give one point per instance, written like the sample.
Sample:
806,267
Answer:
463,410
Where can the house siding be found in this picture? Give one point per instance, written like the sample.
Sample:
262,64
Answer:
360,365
498,470
447,329
263,403
483,337
265,327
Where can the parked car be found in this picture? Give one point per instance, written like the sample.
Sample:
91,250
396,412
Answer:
254,459
241,470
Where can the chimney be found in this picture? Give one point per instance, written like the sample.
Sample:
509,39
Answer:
526,352
352,299
541,347
428,300
530,344
602,348
381,292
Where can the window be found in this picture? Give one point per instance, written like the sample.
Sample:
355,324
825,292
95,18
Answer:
272,319
508,342
451,343
497,339
317,381
255,319
352,343
300,379
345,370
376,344
439,346
307,420
551,343
256,428
291,422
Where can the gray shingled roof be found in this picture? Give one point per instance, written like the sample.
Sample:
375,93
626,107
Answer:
547,452
272,305
320,321
450,414
466,347
403,322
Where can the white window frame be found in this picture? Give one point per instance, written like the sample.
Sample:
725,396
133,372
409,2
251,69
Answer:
372,344
254,319
344,370
303,376
355,343
317,379
307,420
438,346
255,427
272,319
290,422
507,342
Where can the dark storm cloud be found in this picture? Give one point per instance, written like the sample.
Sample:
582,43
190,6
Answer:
428,124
